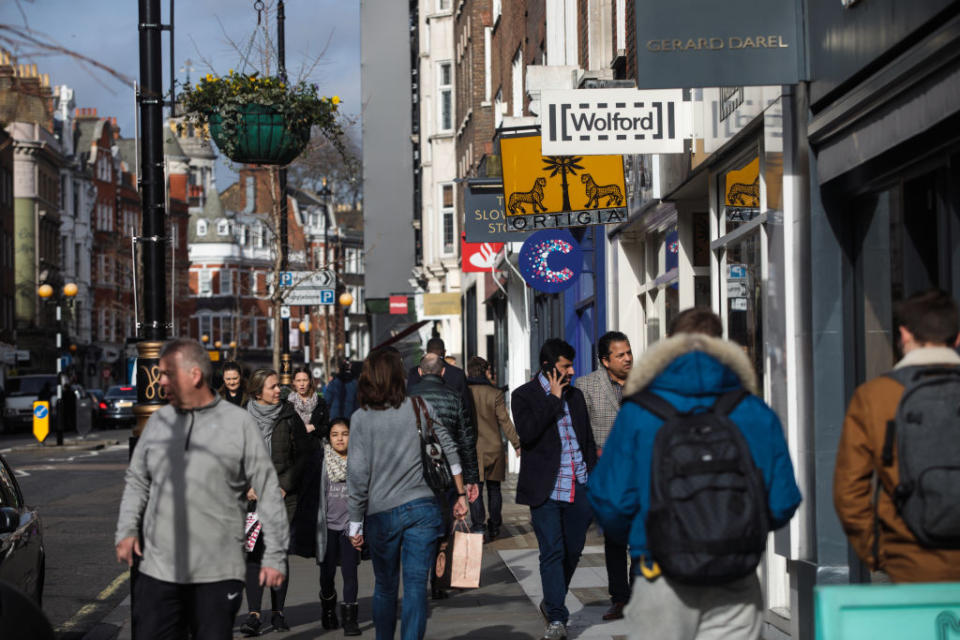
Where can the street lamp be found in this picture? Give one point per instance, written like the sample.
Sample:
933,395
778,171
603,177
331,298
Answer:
304,327
46,292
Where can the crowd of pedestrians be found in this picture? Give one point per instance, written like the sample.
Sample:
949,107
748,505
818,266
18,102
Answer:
675,457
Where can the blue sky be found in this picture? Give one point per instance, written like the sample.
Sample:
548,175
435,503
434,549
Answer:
107,31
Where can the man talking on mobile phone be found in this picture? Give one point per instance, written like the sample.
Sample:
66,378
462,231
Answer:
558,454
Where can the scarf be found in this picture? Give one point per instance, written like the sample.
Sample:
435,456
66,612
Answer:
304,408
336,466
266,416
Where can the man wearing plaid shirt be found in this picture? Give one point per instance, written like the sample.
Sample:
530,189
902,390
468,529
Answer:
558,452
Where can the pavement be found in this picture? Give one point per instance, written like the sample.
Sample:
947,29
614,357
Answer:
19,443
503,608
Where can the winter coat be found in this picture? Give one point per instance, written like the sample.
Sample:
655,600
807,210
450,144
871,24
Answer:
341,396
450,412
492,420
688,371
859,459
238,400
291,448
535,413
453,377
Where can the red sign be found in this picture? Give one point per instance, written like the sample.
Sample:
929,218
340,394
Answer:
398,305
478,257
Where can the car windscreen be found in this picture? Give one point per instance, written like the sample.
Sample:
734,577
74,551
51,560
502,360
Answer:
121,392
29,386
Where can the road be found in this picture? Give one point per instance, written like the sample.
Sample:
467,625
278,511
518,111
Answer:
77,491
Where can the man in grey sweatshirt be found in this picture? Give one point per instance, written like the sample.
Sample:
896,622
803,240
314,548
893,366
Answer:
186,490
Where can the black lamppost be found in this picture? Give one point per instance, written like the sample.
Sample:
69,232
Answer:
153,329
67,293
286,368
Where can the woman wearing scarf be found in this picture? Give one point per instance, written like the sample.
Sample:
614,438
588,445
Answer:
309,405
289,447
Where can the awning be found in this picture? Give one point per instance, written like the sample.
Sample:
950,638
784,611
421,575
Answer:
401,335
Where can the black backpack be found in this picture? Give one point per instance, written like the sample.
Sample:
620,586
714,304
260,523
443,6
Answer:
708,519
927,434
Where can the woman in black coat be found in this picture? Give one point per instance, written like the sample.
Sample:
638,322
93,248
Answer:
290,448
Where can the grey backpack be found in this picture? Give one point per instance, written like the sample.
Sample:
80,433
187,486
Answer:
926,431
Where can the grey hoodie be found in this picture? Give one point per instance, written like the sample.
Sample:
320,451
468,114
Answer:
186,484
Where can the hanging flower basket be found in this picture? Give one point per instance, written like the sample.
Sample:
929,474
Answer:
262,136
257,120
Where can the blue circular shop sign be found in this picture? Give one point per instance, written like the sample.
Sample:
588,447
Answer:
551,260
40,411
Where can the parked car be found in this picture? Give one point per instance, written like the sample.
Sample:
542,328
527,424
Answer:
22,555
119,411
20,394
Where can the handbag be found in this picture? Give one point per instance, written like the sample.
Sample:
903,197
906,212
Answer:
251,531
436,469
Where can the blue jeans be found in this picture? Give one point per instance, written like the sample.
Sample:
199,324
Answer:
408,532
561,530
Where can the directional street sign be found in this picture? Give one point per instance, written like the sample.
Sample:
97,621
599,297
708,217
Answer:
41,420
309,297
323,279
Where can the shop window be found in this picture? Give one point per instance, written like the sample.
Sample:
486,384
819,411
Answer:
744,277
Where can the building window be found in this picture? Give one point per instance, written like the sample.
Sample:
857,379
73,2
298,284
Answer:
201,227
204,282
443,5
226,282
498,110
487,62
205,322
516,77
446,215
497,10
258,235
445,94
223,227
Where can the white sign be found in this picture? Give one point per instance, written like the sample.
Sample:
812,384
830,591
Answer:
614,121
323,279
736,289
317,372
738,304
284,312
309,297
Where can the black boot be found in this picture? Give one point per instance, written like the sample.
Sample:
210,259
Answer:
348,611
329,616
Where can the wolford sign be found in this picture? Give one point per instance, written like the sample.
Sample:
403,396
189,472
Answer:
619,121
705,43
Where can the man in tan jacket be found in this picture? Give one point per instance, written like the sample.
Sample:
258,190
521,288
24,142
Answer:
492,420
928,326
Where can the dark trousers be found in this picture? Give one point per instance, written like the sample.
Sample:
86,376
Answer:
167,611
619,582
495,506
339,552
278,595
561,530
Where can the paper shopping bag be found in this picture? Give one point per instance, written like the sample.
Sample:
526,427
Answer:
466,560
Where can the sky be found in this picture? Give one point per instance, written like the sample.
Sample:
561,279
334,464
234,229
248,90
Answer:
106,30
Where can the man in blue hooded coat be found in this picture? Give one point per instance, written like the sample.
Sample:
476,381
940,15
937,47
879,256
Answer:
690,369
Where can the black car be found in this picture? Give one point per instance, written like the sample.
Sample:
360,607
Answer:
22,554
119,411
